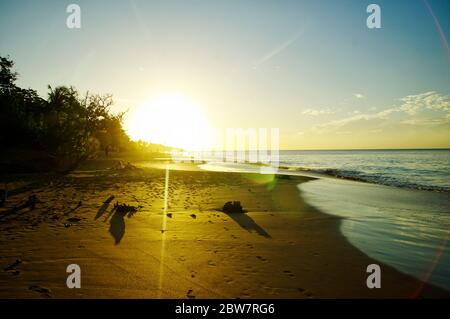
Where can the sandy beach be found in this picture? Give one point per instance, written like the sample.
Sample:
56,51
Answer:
185,248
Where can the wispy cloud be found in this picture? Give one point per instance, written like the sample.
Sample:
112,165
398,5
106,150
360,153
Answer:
352,99
335,124
412,104
425,109
427,121
316,112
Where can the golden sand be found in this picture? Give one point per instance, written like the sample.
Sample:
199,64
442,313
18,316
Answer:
280,248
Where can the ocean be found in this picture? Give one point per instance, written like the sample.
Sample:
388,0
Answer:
417,169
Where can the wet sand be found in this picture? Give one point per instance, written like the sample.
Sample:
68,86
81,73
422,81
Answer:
186,248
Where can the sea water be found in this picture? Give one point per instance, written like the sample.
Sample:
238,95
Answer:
419,169
404,228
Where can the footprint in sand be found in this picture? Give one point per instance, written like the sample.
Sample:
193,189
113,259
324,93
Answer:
211,263
261,258
289,273
228,279
46,292
307,293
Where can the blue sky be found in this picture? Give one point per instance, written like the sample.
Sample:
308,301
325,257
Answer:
311,68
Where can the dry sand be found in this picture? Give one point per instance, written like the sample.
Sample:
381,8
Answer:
281,248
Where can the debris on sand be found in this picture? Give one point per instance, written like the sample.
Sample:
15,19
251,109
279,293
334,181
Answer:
13,265
190,295
122,166
124,208
169,215
233,207
193,216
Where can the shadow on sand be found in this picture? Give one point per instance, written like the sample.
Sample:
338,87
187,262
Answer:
116,220
104,207
248,223
117,226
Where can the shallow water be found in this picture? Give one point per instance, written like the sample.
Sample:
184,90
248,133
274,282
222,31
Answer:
407,229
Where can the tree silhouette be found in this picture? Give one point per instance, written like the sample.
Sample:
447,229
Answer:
67,126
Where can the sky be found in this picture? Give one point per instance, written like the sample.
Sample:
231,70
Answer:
313,69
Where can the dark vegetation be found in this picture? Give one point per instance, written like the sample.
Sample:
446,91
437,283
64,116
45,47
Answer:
59,131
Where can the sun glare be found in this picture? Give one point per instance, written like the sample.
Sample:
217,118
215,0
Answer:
172,120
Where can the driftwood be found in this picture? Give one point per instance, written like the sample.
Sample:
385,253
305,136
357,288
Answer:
233,207
124,208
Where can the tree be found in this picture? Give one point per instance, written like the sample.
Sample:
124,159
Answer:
7,76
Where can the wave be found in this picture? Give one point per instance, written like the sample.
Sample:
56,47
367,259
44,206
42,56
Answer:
359,176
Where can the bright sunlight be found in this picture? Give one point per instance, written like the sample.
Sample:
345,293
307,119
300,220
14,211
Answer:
172,120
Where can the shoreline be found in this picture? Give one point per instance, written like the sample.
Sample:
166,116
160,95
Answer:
281,248
318,173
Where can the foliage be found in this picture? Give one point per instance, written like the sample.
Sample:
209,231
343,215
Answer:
66,125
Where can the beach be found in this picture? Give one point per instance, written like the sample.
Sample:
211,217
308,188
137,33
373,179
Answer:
179,243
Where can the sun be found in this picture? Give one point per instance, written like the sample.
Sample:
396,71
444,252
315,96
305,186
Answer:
170,119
